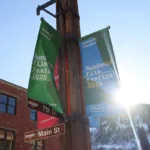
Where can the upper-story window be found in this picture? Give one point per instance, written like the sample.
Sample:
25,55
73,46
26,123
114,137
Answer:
33,114
7,104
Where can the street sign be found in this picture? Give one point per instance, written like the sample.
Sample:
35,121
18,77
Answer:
42,108
46,121
44,133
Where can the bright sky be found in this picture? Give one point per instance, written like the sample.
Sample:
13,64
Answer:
130,34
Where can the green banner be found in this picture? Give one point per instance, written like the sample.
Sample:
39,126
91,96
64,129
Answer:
42,86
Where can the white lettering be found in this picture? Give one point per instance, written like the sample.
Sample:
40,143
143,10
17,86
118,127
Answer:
30,135
45,133
97,108
33,104
56,130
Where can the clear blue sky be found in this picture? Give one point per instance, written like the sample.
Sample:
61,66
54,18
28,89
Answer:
130,34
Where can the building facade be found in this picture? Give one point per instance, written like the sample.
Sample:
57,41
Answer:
16,119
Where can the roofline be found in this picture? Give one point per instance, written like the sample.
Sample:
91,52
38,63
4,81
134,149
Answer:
12,84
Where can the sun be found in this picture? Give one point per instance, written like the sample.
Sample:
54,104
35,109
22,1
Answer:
131,95
125,98
133,90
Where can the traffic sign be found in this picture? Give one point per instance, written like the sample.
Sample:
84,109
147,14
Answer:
44,133
42,108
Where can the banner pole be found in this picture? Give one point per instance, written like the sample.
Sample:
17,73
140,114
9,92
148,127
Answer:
77,135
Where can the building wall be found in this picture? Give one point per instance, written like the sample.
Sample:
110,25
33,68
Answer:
21,122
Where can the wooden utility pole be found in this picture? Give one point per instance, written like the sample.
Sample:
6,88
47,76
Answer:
77,135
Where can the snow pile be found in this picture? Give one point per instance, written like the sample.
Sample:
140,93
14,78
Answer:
129,146
93,130
110,147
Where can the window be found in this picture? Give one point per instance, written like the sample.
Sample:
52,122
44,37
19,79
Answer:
37,145
7,104
33,114
6,140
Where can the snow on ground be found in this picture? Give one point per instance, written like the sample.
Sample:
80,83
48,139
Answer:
93,130
129,146
110,146
148,137
144,125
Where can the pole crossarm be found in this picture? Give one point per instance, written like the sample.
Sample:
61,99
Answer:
63,10
42,7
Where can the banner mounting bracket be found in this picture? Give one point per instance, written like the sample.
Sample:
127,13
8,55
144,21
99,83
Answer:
44,6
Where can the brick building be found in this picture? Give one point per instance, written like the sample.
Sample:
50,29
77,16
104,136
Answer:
16,118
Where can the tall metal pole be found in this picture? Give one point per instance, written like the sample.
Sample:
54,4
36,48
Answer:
77,135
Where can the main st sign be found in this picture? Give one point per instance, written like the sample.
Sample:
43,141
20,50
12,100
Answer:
44,133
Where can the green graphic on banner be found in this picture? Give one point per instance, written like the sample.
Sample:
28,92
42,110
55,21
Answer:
42,86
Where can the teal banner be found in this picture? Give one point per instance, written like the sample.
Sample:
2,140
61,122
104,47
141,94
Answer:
100,75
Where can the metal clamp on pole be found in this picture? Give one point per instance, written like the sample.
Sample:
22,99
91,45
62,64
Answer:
71,37
75,117
67,10
78,117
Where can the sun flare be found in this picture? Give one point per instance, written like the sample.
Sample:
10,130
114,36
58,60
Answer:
133,90
129,96
125,98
